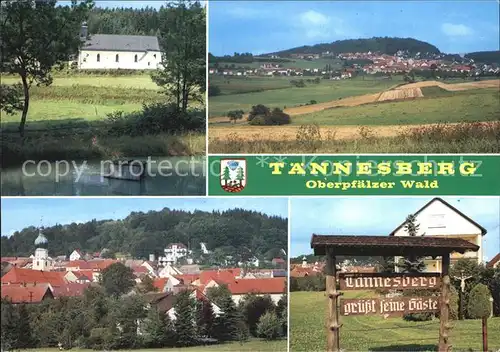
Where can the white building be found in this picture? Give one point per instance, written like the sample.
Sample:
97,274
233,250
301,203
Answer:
204,248
75,255
438,218
173,253
110,51
41,260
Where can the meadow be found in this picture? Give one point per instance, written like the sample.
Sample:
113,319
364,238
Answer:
291,63
308,312
65,116
278,92
386,117
256,345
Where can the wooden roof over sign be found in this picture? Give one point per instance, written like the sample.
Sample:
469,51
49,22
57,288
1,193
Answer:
389,245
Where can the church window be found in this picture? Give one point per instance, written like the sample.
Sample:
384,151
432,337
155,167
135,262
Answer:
117,58
154,56
98,57
37,263
135,58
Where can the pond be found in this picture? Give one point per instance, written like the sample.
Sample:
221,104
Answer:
169,176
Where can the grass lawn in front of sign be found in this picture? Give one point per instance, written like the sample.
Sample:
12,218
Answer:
308,313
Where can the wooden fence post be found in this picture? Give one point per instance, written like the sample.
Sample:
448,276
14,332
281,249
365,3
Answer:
485,334
444,327
333,326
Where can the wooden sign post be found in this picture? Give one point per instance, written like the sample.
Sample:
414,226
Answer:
444,326
333,335
388,246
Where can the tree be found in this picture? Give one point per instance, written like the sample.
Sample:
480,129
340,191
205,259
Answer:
218,294
235,115
253,307
240,175
226,324
117,279
10,98
147,285
387,265
269,326
11,334
157,330
182,39
36,36
225,175
205,318
412,263
479,305
185,315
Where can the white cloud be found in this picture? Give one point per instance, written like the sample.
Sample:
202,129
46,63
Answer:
454,30
246,13
313,18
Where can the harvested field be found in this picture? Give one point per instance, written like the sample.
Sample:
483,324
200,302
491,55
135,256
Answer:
493,83
402,93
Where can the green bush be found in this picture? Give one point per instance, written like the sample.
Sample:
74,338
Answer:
213,91
262,115
269,326
258,121
479,305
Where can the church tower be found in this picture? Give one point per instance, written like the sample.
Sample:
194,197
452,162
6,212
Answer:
42,261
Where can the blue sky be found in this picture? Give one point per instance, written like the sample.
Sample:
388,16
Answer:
18,213
379,216
453,26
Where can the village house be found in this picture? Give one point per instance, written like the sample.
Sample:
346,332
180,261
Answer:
495,262
111,51
29,294
173,252
438,218
75,255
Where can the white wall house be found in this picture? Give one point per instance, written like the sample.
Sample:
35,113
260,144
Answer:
173,253
128,52
75,255
440,219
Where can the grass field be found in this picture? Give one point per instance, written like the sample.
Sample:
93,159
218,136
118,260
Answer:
438,119
63,118
253,345
308,312
280,97
293,63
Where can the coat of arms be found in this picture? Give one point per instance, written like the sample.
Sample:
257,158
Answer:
233,175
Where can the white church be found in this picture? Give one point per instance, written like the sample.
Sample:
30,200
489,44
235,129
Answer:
41,259
112,52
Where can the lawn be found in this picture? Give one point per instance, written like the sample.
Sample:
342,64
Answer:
252,345
436,107
327,90
292,63
308,311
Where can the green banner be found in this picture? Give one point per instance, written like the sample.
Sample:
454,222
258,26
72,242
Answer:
314,175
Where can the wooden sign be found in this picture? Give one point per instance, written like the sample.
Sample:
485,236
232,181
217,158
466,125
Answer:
362,281
389,306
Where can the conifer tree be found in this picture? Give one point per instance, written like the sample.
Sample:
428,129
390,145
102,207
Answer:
185,315
158,330
412,263
205,318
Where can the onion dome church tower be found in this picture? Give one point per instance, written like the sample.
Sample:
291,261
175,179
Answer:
42,261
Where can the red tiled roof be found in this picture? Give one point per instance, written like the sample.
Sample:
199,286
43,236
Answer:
80,275
221,276
160,283
140,270
493,261
89,274
187,278
26,294
101,264
262,286
19,276
72,289
81,264
278,260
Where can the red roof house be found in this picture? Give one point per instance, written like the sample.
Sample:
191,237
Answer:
26,293
28,276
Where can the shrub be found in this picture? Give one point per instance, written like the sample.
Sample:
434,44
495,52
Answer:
258,110
258,121
213,91
479,305
235,115
269,326
262,115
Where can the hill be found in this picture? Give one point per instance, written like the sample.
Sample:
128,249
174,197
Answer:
140,234
485,56
383,45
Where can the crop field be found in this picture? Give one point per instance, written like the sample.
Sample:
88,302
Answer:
325,91
256,345
405,118
80,98
308,312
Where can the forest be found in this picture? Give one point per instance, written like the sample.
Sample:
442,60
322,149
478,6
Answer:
233,231
383,45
